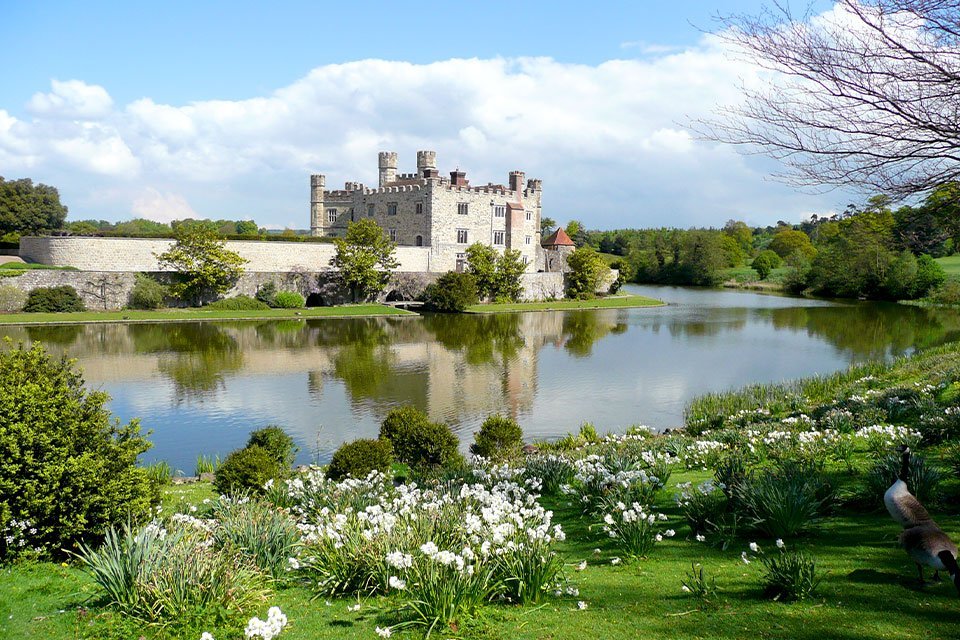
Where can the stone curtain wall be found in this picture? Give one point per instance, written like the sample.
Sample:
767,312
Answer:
102,290
137,254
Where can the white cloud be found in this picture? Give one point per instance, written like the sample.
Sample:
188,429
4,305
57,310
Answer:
607,140
72,99
162,207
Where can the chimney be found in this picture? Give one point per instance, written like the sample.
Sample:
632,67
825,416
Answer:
516,181
459,178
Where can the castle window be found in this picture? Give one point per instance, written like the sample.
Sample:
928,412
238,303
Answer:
461,262
331,215
529,216
370,209
392,209
419,207
462,208
499,211
461,236
418,241
498,237
526,240
393,234
526,260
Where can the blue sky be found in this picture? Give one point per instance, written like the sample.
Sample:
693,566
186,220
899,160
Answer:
223,109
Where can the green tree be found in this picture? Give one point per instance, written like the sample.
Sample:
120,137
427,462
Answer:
364,259
577,233
741,233
703,258
787,241
247,228
26,208
205,267
452,292
765,262
482,265
510,267
139,227
547,225
587,271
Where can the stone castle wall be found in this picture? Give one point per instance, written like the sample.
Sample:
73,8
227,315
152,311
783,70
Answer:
101,290
138,254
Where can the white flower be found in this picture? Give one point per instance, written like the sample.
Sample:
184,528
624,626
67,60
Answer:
397,583
743,556
596,552
581,605
669,533
293,564
701,538
780,544
384,632
206,635
582,565
354,607
685,589
754,547
615,561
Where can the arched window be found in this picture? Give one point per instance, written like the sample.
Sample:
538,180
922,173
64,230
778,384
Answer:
418,241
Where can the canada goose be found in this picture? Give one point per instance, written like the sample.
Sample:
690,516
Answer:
902,505
928,545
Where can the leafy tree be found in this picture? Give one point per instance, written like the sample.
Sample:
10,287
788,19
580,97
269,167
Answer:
798,273
741,233
482,265
732,251
901,276
943,203
26,208
452,293
66,467
787,241
577,232
930,275
247,228
364,259
765,262
703,258
547,225
205,266
141,227
587,271
510,267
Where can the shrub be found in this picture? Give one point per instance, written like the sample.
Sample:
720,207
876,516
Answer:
417,441
452,293
922,479
277,443
782,502
946,293
702,506
289,300
47,415
237,303
765,262
147,293
587,271
930,276
358,458
63,299
499,438
267,293
789,575
246,469
11,298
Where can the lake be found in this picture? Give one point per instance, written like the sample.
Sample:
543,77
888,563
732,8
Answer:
200,387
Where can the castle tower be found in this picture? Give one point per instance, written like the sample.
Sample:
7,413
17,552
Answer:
388,167
317,182
426,163
516,182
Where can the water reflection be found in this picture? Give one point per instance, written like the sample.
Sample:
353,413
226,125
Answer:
202,386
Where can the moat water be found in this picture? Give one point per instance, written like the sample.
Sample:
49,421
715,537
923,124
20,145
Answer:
201,387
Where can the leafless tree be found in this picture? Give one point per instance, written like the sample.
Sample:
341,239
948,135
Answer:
867,97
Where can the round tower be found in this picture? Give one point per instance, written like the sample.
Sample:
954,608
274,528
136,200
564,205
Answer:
426,160
388,167
317,183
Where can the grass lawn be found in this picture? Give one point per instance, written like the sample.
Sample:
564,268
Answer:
950,264
869,591
180,315
612,302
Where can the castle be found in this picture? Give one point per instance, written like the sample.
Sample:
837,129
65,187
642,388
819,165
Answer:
445,215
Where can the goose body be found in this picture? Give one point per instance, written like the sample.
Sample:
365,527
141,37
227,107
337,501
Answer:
904,508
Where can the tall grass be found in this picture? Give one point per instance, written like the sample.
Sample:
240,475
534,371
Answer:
263,534
206,464
160,473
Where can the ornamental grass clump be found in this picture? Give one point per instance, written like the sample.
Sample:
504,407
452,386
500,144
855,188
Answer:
262,534
922,478
600,480
552,471
703,506
695,583
783,501
788,575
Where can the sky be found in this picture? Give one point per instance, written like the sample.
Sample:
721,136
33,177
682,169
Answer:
223,110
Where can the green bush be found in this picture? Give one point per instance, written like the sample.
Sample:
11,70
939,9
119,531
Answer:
66,468
276,441
358,458
789,575
238,303
267,293
11,298
946,293
147,293
247,470
259,532
289,300
417,441
452,293
61,299
765,262
783,502
922,479
499,438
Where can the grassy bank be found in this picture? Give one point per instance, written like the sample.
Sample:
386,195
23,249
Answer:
611,302
183,315
950,264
